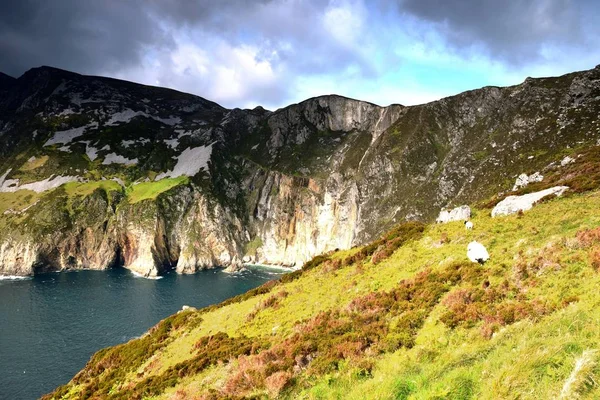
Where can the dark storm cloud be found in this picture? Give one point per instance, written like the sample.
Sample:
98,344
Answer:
113,36
247,51
517,30
80,35
89,36
291,28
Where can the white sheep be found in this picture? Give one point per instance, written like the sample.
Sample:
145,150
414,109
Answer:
468,225
476,252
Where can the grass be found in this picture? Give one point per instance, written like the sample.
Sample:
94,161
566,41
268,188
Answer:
253,245
415,322
17,201
77,189
36,163
150,190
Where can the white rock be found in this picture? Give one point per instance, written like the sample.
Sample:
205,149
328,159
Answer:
462,213
524,180
477,252
514,204
567,160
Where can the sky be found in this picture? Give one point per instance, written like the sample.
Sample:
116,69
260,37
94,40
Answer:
243,53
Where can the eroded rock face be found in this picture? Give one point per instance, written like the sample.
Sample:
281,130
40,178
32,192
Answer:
514,204
18,258
276,187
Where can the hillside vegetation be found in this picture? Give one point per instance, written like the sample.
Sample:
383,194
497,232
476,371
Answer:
405,317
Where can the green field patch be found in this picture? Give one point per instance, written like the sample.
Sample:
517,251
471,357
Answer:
76,189
150,190
15,202
34,163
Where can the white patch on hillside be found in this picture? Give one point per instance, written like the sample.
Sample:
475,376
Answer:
31,159
12,185
3,177
66,111
128,114
78,100
125,116
90,151
168,121
64,137
119,181
114,158
59,89
173,143
189,162
127,143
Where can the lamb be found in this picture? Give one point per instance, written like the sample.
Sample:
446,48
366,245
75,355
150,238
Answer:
468,225
476,252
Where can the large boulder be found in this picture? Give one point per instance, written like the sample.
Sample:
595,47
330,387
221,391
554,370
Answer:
514,204
462,213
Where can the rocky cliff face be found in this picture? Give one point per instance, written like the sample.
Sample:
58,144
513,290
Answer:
99,172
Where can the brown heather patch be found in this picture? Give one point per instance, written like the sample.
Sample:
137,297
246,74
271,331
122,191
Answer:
588,237
526,271
497,306
381,249
363,328
595,258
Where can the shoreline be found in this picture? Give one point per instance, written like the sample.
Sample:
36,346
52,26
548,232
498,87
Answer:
270,266
273,267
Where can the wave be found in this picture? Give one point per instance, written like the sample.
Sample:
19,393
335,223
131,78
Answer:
138,275
13,277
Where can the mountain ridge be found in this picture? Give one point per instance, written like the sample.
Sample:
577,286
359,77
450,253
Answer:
180,182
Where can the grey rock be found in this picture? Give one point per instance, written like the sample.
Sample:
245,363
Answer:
514,204
462,213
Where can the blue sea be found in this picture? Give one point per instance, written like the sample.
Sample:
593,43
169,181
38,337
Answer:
51,324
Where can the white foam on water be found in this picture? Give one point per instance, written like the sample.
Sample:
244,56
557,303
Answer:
138,275
13,277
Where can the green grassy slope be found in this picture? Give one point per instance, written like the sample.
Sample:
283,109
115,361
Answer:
407,317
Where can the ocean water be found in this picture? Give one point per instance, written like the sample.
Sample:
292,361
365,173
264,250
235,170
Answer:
51,324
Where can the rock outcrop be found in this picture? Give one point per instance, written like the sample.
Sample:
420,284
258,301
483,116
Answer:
514,204
462,213
524,180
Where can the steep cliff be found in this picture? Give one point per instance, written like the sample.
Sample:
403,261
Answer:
99,172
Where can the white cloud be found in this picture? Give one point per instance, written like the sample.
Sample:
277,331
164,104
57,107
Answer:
344,21
275,53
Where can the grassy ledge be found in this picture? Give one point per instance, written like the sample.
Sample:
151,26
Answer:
150,190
